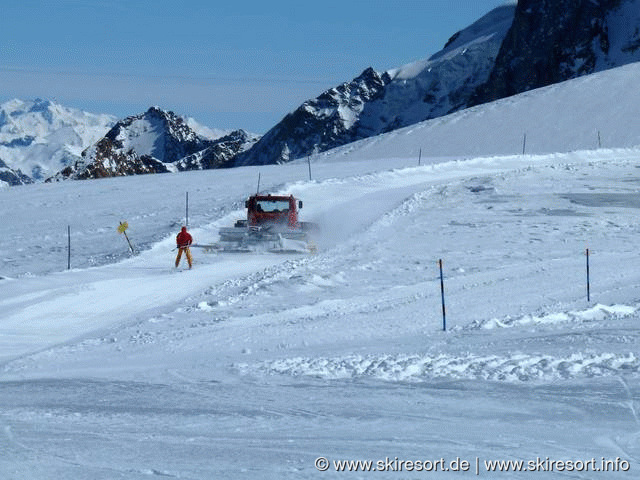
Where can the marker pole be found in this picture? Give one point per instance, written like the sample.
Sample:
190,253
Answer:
444,313
68,247
588,279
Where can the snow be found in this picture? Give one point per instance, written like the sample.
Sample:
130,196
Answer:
206,132
580,114
41,137
145,136
255,365
495,23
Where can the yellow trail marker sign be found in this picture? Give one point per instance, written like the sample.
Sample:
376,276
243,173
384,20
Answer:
122,228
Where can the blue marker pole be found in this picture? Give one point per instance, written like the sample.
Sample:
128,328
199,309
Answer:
68,247
588,279
444,313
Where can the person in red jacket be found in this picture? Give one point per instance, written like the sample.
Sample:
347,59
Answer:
183,240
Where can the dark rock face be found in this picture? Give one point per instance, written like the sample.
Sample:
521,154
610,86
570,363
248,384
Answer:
13,177
19,142
219,155
555,40
318,124
108,161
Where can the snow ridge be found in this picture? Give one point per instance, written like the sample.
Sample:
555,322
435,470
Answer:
425,367
597,312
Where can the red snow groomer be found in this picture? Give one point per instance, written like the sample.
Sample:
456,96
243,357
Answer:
272,224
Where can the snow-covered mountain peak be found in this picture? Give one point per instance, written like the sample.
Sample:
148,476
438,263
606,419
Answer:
496,22
494,25
39,137
41,117
147,133
156,141
156,133
204,131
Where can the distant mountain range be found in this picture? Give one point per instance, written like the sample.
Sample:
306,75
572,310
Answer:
512,49
156,141
40,137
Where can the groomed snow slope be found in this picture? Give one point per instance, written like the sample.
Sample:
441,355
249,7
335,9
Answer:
254,366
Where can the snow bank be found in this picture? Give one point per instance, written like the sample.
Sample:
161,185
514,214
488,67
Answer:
597,312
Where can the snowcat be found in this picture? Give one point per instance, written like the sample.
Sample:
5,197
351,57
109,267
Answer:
272,224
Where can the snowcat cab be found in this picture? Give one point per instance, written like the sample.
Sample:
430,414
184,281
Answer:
271,224
272,210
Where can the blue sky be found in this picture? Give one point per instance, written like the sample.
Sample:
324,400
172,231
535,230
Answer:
227,64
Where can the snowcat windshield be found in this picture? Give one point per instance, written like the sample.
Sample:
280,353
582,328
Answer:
272,205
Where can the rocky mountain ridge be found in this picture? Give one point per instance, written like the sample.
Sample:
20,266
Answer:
13,177
156,141
375,103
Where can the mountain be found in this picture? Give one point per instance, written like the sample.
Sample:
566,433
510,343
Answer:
555,40
39,137
582,114
375,103
156,141
219,155
9,176
510,50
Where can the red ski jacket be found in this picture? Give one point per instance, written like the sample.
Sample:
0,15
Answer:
183,239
